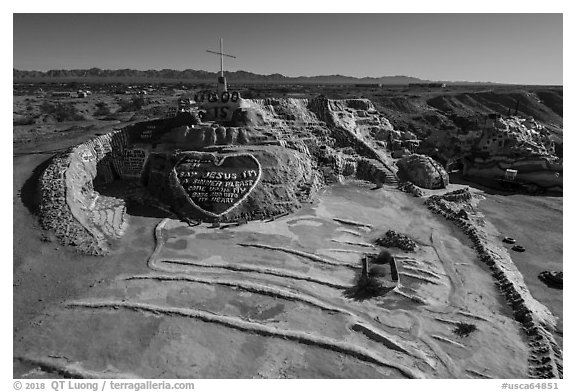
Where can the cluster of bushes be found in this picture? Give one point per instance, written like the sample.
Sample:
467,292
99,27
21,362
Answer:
61,111
133,105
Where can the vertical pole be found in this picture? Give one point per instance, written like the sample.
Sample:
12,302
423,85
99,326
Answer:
364,267
221,57
393,269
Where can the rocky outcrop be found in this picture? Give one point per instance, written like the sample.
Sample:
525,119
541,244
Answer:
422,171
341,119
459,195
408,187
393,239
516,136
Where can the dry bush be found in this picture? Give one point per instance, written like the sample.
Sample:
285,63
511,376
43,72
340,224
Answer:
61,111
464,329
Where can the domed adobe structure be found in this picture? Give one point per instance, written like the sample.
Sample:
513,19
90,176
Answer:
422,171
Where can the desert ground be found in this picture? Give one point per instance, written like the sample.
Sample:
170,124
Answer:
511,215
268,299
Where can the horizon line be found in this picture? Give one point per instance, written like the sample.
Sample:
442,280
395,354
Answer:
290,77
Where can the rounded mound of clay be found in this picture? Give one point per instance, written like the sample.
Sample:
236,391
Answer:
264,181
423,171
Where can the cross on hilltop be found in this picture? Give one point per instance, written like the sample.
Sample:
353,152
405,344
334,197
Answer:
222,54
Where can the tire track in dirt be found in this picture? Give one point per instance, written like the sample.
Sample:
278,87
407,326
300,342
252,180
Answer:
247,286
303,254
456,285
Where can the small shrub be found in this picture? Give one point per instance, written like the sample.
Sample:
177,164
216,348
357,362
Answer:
464,329
368,287
378,271
102,109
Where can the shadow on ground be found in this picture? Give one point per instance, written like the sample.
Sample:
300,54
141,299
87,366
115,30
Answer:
29,194
367,288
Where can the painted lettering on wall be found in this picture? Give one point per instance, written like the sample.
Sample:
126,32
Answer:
132,162
216,187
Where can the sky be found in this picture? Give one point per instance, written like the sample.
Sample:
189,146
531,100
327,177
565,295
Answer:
506,48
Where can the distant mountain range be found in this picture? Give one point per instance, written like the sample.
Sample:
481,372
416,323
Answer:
190,75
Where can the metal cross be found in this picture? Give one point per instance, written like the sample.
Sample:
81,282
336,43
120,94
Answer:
222,54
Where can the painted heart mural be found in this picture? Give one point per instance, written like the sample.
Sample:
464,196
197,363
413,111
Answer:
216,185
